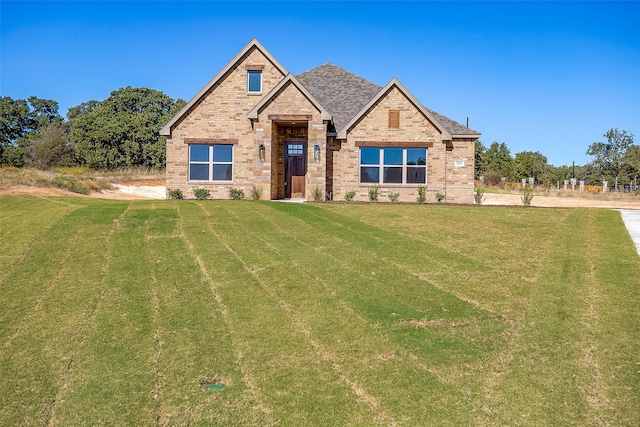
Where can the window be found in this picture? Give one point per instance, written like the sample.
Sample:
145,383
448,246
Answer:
210,162
393,165
254,81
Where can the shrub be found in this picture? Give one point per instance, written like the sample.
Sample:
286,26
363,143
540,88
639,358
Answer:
176,194
373,193
256,192
201,193
527,196
236,194
394,196
317,194
493,178
440,197
349,195
70,184
478,195
422,194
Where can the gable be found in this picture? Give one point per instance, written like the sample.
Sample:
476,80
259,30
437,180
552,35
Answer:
289,96
229,87
393,117
395,96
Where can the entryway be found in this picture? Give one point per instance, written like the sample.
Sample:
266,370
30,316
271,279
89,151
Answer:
295,169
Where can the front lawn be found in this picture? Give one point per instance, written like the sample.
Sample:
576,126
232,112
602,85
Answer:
122,313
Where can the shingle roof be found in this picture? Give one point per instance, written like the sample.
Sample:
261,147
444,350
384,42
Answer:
453,127
344,94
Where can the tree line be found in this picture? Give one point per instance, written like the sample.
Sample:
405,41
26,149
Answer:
119,131
123,130
615,160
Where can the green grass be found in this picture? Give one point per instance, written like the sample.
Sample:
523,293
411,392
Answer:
116,313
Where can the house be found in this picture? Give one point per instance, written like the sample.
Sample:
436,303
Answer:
256,124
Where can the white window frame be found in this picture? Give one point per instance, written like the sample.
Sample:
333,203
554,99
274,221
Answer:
210,163
380,165
248,80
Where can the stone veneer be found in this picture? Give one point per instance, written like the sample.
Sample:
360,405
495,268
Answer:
220,116
414,127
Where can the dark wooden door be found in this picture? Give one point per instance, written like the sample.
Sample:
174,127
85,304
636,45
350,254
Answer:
295,169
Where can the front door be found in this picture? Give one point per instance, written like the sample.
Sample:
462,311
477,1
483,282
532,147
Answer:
295,168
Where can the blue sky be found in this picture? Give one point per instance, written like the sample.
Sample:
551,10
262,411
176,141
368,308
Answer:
539,76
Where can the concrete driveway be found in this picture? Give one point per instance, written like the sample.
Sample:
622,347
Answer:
631,219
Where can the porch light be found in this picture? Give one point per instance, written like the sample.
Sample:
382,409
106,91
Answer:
316,153
261,153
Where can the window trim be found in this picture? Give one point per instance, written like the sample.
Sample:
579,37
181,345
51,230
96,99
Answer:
211,163
381,166
249,91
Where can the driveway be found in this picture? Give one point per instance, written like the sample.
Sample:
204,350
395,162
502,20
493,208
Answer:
631,219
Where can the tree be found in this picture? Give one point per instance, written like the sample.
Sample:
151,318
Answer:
19,121
610,155
498,159
49,148
479,159
123,130
532,164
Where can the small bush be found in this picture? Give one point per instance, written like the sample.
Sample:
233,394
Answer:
440,197
373,193
201,193
478,195
493,178
317,194
422,194
256,192
349,195
527,196
70,184
176,194
394,196
236,194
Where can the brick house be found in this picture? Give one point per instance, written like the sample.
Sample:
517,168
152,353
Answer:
256,124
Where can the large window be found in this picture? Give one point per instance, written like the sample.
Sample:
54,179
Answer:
254,81
210,162
393,165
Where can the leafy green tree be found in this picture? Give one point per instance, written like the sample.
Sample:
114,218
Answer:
610,156
498,159
479,168
532,164
49,148
632,159
123,130
20,120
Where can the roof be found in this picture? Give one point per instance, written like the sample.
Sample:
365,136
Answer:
342,93
166,130
347,96
253,113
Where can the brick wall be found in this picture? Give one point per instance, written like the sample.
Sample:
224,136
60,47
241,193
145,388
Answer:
221,114
413,127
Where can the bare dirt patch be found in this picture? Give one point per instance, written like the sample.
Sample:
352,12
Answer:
559,202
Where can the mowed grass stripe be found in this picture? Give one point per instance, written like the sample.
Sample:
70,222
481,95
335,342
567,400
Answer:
615,327
362,350
193,340
111,381
393,294
29,280
553,376
34,361
23,220
488,235
298,386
